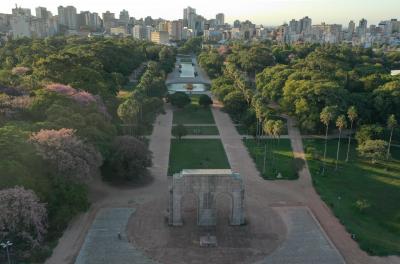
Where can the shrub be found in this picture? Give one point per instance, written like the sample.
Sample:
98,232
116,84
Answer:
129,160
205,100
179,99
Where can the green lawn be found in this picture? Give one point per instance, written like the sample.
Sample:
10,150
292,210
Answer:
279,158
196,154
193,114
202,130
377,228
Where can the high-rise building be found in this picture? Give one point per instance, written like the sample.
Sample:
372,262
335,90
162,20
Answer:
162,26
236,24
41,12
352,27
220,19
160,37
189,17
21,11
124,16
89,20
350,30
294,27
67,17
139,32
175,29
108,20
305,25
362,28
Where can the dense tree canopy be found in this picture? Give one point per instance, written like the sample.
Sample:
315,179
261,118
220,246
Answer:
66,93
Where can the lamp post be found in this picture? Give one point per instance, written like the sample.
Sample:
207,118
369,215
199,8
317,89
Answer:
6,245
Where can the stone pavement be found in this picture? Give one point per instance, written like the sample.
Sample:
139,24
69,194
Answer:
305,242
103,244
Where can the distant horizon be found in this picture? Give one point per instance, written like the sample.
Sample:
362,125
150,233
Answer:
261,12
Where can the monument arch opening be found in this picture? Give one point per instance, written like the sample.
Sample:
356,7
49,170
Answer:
207,185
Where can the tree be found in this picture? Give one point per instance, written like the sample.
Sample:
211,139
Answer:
373,149
23,218
129,111
205,100
71,157
352,115
391,124
235,104
268,127
179,99
129,160
179,131
340,124
326,117
368,132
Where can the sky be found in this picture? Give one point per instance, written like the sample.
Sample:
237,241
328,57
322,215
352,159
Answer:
266,12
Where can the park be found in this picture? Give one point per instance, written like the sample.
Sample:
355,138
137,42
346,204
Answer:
234,155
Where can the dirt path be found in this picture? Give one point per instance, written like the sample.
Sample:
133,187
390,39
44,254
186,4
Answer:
287,193
103,195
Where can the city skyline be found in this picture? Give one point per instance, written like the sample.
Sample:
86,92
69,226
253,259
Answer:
266,12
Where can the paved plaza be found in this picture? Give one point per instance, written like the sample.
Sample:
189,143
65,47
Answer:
106,241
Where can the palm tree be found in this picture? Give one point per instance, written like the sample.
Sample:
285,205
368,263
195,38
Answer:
278,129
391,124
326,117
269,130
340,124
352,115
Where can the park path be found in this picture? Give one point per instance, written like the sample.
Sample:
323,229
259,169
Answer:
102,195
289,193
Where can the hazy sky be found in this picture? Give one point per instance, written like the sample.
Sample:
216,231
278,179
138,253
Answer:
267,12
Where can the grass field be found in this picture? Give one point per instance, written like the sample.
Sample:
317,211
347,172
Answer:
196,154
202,130
193,114
279,158
364,196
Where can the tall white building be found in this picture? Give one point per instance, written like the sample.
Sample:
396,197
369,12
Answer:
189,17
41,12
139,32
220,19
67,17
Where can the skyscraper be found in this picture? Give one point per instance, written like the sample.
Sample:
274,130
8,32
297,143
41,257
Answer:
108,20
124,16
362,27
175,29
41,12
305,25
189,17
67,17
220,19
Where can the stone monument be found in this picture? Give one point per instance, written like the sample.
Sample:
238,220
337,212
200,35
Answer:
206,185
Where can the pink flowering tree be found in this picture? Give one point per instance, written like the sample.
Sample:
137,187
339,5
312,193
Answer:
61,89
20,70
81,97
23,219
73,158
